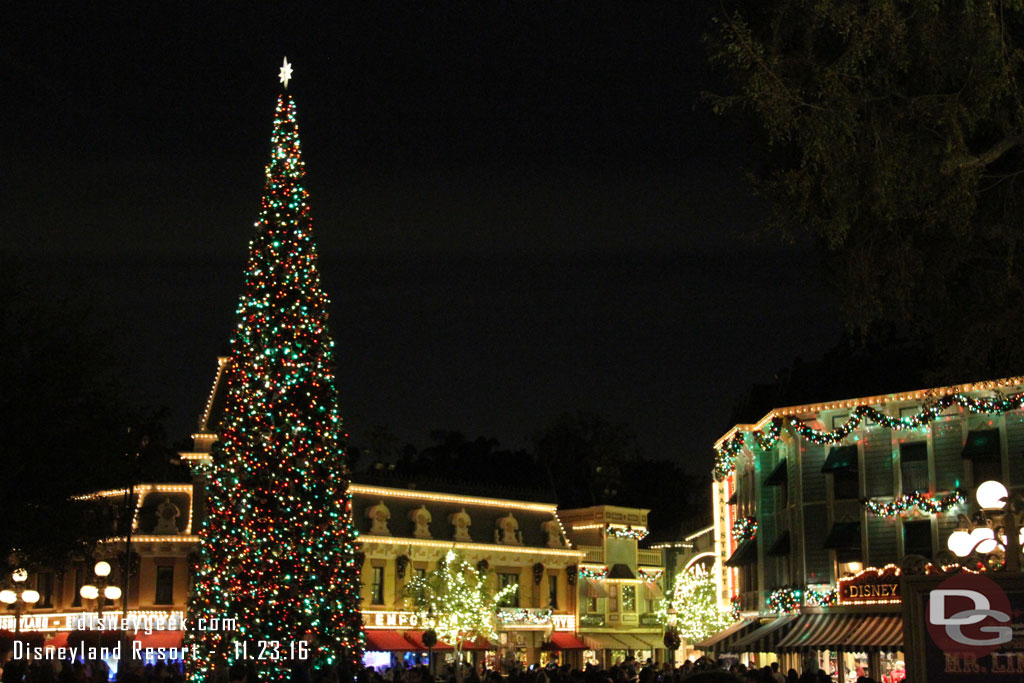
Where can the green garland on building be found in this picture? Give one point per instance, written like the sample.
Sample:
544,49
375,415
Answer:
725,454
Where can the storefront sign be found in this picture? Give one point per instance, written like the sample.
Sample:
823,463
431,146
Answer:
871,586
563,622
390,619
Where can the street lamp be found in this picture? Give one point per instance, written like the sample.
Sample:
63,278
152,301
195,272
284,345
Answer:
997,531
11,597
91,592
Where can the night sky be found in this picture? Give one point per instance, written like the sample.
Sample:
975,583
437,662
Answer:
522,208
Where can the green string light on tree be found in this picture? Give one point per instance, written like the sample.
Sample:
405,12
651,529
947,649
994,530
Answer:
277,546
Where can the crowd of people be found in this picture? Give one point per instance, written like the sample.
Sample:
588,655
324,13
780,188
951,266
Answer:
703,670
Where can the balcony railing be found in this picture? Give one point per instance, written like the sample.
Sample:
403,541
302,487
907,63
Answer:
593,553
650,558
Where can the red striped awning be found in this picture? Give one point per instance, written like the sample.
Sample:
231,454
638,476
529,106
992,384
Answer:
851,631
387,641
653,590
721,641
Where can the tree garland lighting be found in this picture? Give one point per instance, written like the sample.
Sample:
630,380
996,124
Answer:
628,532
649,575
533,617
788,599
925,502
727,451
744,529
595,574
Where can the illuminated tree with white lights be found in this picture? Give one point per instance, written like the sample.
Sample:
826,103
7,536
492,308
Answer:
697,614
457,604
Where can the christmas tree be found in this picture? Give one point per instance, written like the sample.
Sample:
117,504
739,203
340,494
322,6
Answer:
692,610
456,604
277,548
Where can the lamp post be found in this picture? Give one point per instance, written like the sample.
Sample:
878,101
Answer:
18,599
672,640
93,592
997,530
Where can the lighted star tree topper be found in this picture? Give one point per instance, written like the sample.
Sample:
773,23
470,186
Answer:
277,548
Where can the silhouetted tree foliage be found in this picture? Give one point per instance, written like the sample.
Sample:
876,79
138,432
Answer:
68,427
893,132
577,461
592,461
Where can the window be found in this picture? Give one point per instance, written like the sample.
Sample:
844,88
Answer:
986,469
164,584
377,587
504,581
592,605
76,599
917,538
914,466
44,584
846,483
420,573
553,591
629,598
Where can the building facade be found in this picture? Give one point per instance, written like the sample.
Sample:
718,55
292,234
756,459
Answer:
619,583
585,590
817,509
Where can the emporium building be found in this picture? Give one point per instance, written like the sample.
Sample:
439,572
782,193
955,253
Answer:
818,510
585,590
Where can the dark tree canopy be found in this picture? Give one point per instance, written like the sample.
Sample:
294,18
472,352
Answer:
892,131
69,426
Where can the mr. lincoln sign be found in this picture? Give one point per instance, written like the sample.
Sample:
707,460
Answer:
964,628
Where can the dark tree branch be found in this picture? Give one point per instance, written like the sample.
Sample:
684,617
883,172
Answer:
985,158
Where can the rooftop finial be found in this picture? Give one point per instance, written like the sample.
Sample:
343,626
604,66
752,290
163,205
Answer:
286,73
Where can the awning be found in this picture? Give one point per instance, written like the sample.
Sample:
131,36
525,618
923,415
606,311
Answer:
621,571
60,639
780,546
479,644
653,590
744,555
840,458
639,641
732,499
982,443
387,641
721,641
595,589
765,638
416,639
851,631
843,536
564,641
778,476
601,642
